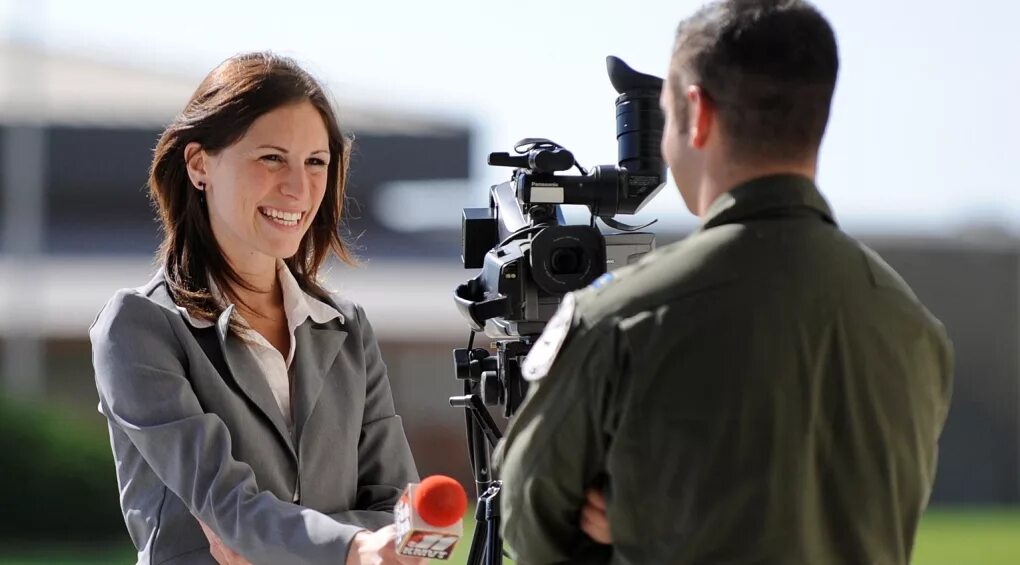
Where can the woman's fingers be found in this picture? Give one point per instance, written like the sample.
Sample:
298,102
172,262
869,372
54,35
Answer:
216,550
215,546
219,551
233,557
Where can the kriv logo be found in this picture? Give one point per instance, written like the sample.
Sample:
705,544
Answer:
432,546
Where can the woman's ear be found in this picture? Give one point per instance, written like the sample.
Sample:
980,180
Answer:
195,161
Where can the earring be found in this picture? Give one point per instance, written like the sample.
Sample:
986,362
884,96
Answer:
201,192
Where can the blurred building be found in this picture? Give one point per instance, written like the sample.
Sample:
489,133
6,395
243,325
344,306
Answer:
75,225
971,284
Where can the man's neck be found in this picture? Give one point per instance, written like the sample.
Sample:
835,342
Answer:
724,177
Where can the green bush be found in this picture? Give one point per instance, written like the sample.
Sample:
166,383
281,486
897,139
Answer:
57,478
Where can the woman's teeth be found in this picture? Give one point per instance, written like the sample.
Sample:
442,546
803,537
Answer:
283,218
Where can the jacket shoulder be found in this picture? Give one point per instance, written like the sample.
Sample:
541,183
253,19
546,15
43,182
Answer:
883,275
352,311
672,273
134,307
343,304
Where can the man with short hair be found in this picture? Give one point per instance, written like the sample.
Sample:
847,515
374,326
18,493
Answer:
765,391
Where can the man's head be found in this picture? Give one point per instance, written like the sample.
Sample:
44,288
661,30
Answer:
749,86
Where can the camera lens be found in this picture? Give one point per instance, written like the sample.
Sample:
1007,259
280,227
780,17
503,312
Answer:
565,260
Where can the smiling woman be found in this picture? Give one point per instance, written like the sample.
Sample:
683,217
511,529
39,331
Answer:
257,124
249,409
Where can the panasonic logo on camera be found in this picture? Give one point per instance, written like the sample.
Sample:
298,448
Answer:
546,193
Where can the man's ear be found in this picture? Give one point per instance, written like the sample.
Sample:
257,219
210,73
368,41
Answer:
701,116
195,160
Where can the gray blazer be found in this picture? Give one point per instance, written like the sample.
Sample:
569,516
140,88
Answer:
196,431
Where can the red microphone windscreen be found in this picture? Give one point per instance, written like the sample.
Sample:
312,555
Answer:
440,501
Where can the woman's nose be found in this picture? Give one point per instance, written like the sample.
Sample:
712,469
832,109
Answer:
295,184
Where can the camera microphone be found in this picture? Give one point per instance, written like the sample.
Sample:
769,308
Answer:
429,517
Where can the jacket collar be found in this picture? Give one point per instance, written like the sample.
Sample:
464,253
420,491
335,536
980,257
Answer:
318,346
768,196
318,335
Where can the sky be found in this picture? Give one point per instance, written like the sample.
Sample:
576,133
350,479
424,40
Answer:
922,137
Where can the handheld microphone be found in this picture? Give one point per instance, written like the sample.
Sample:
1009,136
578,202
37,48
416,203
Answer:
428,517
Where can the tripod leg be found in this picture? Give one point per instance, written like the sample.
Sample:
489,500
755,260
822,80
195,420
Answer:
478,449
494,544
477,551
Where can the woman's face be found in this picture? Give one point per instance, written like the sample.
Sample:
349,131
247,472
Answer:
264,190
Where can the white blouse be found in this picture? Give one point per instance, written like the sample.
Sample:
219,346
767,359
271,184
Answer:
298,306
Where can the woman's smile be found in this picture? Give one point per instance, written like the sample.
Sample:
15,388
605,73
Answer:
287,221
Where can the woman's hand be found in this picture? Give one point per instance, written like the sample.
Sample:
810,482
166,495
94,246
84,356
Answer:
594,521
220,552
379,548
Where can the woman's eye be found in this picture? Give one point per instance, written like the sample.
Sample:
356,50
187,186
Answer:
317,162
273,158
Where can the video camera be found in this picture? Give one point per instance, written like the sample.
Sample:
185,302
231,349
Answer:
529,259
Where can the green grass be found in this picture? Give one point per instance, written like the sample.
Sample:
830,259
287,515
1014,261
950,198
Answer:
969,536
946,537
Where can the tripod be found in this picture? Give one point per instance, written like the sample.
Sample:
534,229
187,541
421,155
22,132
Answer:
487,381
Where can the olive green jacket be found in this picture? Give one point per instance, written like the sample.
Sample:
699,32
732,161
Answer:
766,391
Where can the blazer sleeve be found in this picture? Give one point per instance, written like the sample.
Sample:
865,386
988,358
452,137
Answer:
385,464
141,377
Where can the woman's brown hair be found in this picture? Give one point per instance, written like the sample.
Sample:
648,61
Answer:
232,96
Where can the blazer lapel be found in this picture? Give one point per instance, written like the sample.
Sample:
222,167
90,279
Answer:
248,376
317,347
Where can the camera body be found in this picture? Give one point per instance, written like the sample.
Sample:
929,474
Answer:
523,277
528,256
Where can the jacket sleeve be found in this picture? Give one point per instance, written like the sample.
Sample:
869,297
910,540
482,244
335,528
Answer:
554,450
141,377
385,464
367,519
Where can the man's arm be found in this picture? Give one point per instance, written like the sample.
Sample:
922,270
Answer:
555,447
